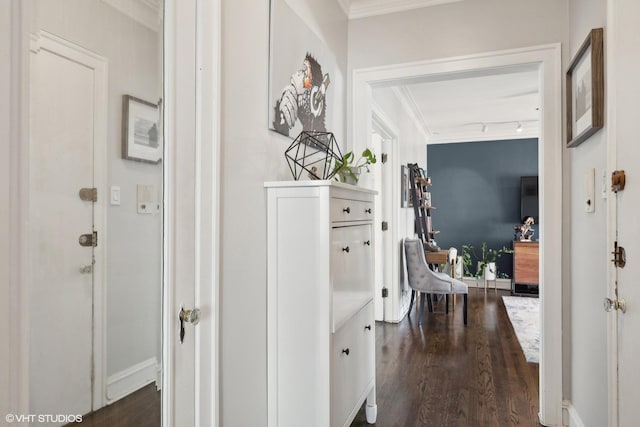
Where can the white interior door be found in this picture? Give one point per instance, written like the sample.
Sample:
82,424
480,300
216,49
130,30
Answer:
379,265
192,46
626,15
66,106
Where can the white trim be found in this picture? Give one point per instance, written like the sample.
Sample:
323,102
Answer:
612,214
548,60
19,207
573,418
405,98
363,9
44,40
145,12
204,75
127,381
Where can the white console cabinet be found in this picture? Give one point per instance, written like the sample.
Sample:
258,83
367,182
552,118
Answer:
320,324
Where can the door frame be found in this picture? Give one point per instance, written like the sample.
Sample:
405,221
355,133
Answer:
44,40
192,29
548,60
381,123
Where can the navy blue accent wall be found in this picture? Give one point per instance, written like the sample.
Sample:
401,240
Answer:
476,189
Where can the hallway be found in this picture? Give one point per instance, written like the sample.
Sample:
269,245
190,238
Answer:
445,374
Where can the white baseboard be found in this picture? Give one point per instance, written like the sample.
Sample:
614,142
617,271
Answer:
125,382
504,284
573,419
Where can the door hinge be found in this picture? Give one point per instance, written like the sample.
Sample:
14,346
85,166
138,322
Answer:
385,225
384,157
89,194
385,292
90,239
619,256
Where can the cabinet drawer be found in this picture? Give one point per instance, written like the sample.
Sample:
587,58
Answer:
352,258
350,210
352,372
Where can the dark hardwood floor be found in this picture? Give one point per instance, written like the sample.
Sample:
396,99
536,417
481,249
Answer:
139,409
445,374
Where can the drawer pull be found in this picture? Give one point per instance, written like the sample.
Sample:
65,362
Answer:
346,351
345,249
368,210
368,327
347,210
368,243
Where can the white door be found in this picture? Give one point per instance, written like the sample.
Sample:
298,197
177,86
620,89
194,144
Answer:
379,265
66,106
192,46
626,155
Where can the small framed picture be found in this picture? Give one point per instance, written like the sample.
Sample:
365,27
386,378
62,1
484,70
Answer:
406,201
585,90
141,130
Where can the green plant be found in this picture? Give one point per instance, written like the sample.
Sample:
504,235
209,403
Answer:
487,256
348,167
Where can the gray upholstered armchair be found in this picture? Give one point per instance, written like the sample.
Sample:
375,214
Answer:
426,281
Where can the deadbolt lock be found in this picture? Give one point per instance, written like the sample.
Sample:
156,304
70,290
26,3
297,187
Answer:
89,194
89,240
618,181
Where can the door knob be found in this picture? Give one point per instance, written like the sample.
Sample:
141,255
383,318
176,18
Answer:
86,269
610,305
188,316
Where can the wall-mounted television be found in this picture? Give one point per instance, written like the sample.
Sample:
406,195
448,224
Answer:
529,197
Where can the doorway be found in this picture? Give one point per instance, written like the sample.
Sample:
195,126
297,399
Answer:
550,155
95,207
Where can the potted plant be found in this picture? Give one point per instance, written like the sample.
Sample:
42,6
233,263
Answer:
486,262
348,169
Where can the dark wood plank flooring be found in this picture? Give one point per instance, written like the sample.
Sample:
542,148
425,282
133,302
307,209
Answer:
139,409
445,374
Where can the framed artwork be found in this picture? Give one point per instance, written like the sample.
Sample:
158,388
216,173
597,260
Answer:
141,130
301,69
585,90
406,201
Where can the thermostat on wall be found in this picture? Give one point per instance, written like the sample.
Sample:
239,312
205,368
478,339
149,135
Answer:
147,203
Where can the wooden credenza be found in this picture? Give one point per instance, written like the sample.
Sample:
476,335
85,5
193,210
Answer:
320,320
525,263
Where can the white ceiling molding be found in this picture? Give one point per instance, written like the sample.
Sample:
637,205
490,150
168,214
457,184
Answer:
408,104
496,132
146,12
363,8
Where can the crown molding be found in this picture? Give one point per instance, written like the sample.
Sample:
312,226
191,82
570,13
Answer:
146,12
361,9
403,95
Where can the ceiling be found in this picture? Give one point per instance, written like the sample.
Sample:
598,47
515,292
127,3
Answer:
362,8
496,104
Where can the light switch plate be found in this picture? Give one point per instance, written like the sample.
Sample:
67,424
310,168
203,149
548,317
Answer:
114,197
589,190
147,203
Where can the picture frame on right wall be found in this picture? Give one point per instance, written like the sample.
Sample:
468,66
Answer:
585,90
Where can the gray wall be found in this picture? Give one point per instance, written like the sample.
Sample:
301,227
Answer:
251,154
476,189
585,323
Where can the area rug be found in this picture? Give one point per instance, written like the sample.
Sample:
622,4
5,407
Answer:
524,314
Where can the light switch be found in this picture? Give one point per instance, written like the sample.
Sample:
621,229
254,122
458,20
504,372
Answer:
115,195
147,203
589,190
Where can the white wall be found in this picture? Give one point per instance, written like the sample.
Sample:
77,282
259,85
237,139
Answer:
456,29
134,241
251,154
411,149
588,252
